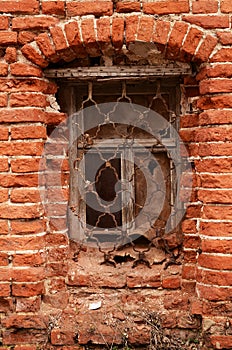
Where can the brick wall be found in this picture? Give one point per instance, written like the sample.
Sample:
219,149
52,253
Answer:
44,292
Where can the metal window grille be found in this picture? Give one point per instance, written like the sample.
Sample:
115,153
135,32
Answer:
111,204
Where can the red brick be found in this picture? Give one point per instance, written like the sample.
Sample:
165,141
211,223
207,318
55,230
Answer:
25,180
221,341
58,239
166,7
74,39
225,38
6,305
21,148
192,242
5,274
27,85
86,279
58,38
4,22
12,243
53,8
205,6
193,211
99,8
212,86
25,37
4,289
205,49
103,33
215,180
215,262
147,280
214,149
22,336
132,23
27,289
23,227
3,195
56,209
89,37
11,55
4,133
27,23
28,99
57,195
217,213
214,165
24,195
213,134
215,117
222,55
214,293
4,165
56,269
34,56
146,29
58,224
3,69
59,337
57,179
215,196
23,321
8,38
174,300
57,284
28,305
46,47
171,282
216,229
29,274
28,132
22,6
9,211
27,165
4,259
208,22
189,226
161,32
117,32
128,6
217,246
3,100
189,120
4,227
35,259
214,102
189,272
62,164
23,70
196,307
191,43
226,6
176,38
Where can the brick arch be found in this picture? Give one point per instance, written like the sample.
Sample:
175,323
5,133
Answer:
79,38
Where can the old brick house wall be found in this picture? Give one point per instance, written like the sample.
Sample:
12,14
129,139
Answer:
45,291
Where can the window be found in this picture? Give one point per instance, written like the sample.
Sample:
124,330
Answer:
122,182
124,152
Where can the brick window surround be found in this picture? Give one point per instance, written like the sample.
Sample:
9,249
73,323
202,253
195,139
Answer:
46,299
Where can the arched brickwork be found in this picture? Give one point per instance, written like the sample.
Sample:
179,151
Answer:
90,36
